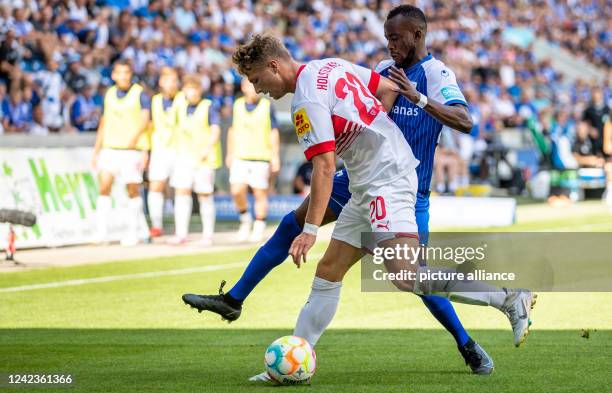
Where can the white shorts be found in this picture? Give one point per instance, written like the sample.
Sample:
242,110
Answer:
122,164
386,211
200,179
161,164
254,173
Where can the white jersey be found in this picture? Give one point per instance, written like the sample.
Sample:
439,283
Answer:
334,109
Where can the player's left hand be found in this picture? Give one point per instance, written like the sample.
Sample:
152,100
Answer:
404,86
144,161
300,246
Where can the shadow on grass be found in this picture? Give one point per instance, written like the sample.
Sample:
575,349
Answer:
217,360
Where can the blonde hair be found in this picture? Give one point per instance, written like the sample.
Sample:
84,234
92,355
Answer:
257,51
193,81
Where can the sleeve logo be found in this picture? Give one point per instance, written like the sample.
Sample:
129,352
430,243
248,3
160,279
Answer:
302,123
451,92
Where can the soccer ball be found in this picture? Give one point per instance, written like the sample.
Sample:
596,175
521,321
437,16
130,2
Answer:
290,360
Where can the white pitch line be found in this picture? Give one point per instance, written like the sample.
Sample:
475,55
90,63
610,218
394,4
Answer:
122,277
176,272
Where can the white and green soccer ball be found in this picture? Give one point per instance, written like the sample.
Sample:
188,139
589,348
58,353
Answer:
290,360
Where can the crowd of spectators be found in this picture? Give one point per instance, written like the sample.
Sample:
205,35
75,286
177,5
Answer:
55,55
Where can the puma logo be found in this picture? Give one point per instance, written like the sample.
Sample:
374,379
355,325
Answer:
385,225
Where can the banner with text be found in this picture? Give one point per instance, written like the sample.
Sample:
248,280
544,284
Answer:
60,188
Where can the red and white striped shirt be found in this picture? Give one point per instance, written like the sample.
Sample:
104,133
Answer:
334,109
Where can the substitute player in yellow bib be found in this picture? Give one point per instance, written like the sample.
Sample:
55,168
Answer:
252,155
121,149
198,155
165,107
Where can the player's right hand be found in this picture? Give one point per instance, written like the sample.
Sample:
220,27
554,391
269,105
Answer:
404,85
143,163
228,162
94,162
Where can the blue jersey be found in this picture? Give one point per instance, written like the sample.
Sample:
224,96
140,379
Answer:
421,130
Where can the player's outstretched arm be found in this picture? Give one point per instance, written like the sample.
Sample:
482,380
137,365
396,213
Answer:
323,169
455,116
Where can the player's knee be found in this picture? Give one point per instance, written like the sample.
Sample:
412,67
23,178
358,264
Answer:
105,190
260,194
157,186
330,271
106,184
300,212
133,190
288,222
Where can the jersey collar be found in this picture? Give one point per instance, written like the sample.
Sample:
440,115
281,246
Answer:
255,104
299,71
416,65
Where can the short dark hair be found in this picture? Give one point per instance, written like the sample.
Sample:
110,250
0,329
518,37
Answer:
411,12
257,51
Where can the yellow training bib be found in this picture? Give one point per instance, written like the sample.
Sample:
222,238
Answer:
194,134
251,131
122,118
164,122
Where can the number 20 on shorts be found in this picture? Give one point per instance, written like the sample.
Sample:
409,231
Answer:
378,211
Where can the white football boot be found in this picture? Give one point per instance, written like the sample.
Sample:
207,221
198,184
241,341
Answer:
263,377
517,307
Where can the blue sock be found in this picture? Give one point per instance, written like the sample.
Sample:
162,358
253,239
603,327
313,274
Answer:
270,255
443,310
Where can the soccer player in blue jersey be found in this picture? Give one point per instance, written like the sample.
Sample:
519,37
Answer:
420,112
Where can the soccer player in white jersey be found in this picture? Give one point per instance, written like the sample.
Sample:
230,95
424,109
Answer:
335,112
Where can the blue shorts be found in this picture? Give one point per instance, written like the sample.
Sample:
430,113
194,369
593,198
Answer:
341,195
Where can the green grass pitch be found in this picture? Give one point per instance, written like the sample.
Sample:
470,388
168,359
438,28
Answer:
135,335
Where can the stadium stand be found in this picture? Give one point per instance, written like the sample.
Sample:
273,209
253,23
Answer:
515,60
